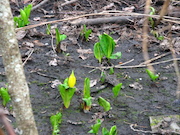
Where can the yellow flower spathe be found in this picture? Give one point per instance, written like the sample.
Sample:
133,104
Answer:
71,80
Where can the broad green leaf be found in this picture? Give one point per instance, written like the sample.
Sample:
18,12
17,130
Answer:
105,104
107,44
86,91
116,89
113,130
55,121
5,95
62,37
66,94
116,55
152,75
95,127
98,52
105,131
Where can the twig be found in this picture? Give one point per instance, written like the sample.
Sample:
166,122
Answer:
155,58
68,2
40,4
175,66
137,130
112,19
135,66
8,126
28,57
145,37
163,11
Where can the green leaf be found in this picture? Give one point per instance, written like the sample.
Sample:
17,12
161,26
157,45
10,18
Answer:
116,89
55,121
111,71
105,131
116,55
98,52
107,44
113,130
27,10
95,127
86,91
87,34
103,77
152,75
105,104
160,38
57,36
66,94
48,29
87,101
24,17
5,95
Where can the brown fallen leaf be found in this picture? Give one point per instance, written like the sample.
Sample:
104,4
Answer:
38,43
21,34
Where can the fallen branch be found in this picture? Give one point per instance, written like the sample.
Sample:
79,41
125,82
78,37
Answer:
113,19
113,13
135,66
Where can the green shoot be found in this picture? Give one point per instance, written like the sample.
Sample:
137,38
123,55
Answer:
113,131
86,32
86,95
116,89
152,23
103,77
150,18
67,89
105,47
111,71
59,38
4,95
48,29
23,19
105,104
156,35
152,75
55,121
95,128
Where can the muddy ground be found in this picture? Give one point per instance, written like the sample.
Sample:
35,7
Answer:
134,105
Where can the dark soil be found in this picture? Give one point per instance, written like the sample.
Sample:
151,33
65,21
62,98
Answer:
132,106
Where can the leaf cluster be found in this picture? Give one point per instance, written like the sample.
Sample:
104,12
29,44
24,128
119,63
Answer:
105,48
23,19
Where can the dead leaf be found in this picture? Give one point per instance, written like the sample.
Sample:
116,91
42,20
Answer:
28,44
21,34
55,83
53,62
37,18
136,86
108,6
82,57
38,43
93,82
128,9
84,51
